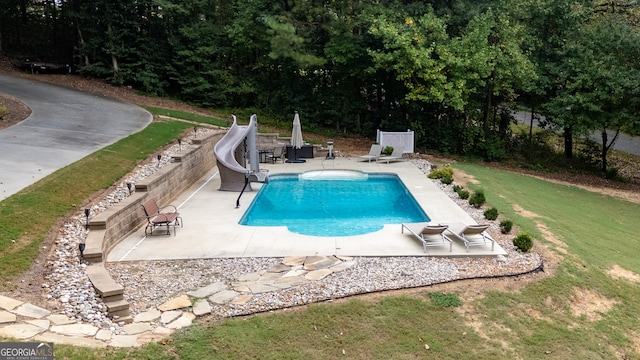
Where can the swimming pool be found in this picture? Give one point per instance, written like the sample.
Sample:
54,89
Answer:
333,203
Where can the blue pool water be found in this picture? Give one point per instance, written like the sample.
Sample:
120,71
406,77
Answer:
341,204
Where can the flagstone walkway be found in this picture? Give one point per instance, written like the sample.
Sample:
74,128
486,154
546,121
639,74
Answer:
24,321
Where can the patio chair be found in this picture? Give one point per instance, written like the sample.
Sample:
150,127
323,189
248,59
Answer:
374,153
429,235
157,217
473,235
396,155
276,154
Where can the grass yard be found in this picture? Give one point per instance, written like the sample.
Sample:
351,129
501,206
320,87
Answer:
580,312
584,311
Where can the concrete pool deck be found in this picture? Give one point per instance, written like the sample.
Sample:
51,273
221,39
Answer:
211,228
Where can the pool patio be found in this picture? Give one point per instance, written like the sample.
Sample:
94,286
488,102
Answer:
211,228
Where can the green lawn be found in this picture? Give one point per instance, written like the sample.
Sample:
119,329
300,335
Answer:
592,233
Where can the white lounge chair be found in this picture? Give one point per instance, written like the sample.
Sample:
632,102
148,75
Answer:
473,235
396,155
374,153
429,235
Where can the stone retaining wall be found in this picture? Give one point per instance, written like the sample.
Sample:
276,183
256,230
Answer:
122,219
114,224
118,221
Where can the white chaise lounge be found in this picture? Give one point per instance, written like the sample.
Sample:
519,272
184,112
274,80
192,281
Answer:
396,155
429,235
374,153
472,235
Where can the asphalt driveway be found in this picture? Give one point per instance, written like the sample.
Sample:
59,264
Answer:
65,126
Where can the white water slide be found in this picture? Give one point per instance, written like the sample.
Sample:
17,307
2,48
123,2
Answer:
231,156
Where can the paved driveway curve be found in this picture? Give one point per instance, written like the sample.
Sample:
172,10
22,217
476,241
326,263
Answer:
65,126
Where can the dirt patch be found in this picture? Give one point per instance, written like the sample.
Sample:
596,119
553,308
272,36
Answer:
636,341
523,212
28,287
631,195
629,191
618,272
531,312
587,303
16,111
548,235
462,178
551,237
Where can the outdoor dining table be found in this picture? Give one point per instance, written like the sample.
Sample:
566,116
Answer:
263,152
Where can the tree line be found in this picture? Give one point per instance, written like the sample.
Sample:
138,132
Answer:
451,70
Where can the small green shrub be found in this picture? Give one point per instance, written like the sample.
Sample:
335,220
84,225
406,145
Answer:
611,174
523,242
447,179
491,214
535,167
505,226
445,300
3,112
464,194
440,173
387,150
477,199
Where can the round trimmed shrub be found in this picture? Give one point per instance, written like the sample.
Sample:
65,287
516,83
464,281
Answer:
457,188
523,242
491,214
446,179
440,173
477,199
505,226
464,194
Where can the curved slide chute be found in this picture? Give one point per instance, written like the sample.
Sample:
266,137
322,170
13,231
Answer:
231,150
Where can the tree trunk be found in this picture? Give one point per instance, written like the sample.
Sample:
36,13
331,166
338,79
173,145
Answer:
114,62
487,110
82,48
606,147
503,125
604,151
568,143
530,134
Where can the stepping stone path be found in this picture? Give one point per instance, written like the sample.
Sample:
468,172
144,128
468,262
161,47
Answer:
27,322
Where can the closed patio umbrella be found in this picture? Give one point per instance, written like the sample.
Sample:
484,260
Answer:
296,139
